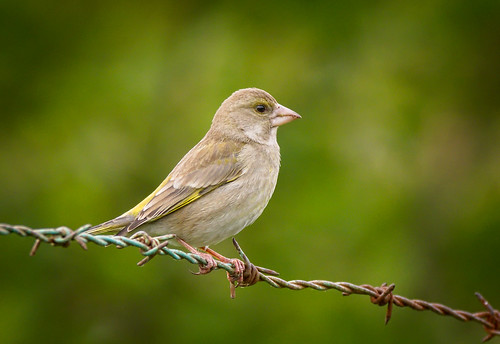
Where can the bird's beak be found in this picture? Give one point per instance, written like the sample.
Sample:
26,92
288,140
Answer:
283,116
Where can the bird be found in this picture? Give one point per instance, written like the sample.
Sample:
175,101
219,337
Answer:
221,186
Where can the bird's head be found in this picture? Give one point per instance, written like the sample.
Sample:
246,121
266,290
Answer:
252,114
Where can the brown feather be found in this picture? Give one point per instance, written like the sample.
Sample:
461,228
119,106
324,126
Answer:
211,164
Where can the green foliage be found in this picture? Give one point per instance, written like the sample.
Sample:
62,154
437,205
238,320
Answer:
392,175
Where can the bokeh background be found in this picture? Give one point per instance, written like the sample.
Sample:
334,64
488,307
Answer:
392,175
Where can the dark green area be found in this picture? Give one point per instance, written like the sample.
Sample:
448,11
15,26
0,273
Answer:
392,175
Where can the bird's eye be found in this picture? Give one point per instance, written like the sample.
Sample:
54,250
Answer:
261,108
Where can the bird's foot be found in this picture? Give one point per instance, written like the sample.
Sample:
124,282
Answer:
239,267
244,274
209,266
211,263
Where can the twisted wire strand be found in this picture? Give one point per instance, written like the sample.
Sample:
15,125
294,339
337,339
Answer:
152,246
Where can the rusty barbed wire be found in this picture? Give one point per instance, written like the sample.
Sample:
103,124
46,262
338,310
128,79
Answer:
152,246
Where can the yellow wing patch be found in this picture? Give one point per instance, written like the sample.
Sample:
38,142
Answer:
191,198
137,209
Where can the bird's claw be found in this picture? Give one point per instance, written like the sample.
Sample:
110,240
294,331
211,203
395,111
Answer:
209,266
239,269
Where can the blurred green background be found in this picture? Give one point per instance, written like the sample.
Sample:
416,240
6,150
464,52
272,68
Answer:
392,175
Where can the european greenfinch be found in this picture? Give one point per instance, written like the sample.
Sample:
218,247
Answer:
222,184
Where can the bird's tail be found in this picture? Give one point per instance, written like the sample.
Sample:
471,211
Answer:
112,226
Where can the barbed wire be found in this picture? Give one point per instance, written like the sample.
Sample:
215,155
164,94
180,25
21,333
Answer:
153,246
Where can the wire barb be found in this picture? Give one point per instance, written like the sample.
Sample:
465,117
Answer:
150,247
492,316
385,297
154,244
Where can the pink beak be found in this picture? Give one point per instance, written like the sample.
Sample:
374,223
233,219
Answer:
283,116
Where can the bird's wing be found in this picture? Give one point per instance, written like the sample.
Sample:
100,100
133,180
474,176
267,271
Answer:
206,167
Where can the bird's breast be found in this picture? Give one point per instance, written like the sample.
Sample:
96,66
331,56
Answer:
231,207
